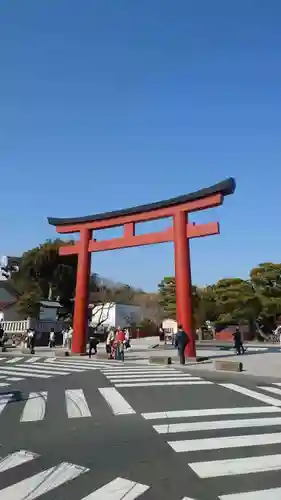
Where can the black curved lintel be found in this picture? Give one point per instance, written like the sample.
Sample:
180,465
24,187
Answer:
225,188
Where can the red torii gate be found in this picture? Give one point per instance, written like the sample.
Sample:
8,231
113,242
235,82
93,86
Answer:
180,233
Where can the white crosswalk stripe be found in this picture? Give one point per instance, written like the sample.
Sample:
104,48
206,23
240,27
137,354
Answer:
117,373
76,404
145,376
15,459
4,400
14,379
43,482
48,480
202,435
55,368
18,371
174,382
14,360
33,407
253,394
257,349
32,368
271,494
273,390
228,467
116,401
118,489
33,360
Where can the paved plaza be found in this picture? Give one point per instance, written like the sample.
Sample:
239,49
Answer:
102,430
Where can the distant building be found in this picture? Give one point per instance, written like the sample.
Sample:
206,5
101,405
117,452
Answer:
8,301
49,310
112,315
170,325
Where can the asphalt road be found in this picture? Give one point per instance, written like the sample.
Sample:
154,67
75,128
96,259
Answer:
164,433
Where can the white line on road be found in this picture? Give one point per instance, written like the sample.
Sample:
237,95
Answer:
31,370
34,408
225,442
33,360
253,349
13,371
252,394
151,379
14,379
4,400
274,390
174,382
150,375
272,494
3,384
69,366
116,401
88,363
15,459
55,368
209,412
236,466
217,424
140,371
47,480
188,498
14,360
118,489
76,404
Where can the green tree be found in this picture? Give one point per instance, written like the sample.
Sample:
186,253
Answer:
206,306
44,274
266,280
237,301
28,304
167,296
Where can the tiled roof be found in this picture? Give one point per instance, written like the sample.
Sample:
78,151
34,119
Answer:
225,188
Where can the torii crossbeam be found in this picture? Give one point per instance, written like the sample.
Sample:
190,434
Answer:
180,232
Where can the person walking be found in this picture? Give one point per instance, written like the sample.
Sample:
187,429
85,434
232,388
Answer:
2,335
127,339
238,344
93,342
52,341
31,340
69,338
109,343
181,342
120,341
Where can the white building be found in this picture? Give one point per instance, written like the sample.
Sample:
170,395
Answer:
113,315
170,325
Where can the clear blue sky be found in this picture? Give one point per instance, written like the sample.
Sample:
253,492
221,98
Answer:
111,103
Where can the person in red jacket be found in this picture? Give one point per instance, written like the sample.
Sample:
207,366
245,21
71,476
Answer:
120,340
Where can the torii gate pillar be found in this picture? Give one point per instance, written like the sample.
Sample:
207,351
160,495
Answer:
183,280
179,232
80,318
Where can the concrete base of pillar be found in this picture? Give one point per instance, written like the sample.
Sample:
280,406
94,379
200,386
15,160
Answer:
160,360
62,354
229,366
